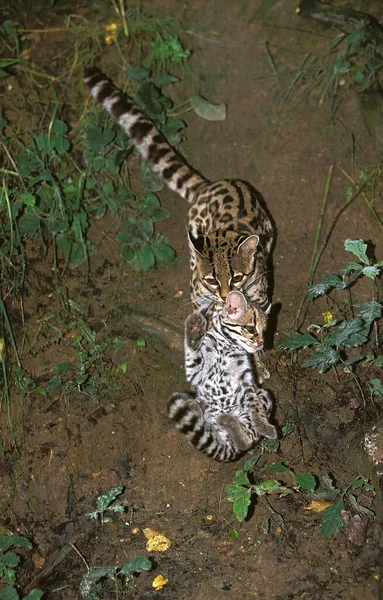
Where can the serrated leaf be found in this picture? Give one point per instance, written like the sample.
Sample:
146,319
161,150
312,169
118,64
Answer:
369,311
323,360
10,559
297,340
307,482
212,111
277,467
241,478
241,498
357,247
332,520
345,332
16,541
138,565
145,258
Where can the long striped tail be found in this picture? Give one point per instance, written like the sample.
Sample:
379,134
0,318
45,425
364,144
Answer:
150,142
187,416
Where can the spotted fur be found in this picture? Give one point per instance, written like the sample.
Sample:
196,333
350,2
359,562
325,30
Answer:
227,412
230,231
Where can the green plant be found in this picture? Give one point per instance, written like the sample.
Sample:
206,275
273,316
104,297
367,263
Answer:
328,501
329,342
105,504
91,583
9,561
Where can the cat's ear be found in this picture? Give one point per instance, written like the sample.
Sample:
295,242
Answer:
235,306
196,243
247,247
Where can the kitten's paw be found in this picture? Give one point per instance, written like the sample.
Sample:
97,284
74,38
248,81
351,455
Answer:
195,327
268,431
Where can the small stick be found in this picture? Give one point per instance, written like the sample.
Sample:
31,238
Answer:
371,208
272,63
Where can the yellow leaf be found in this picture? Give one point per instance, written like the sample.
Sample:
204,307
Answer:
157,542
318,506
159,582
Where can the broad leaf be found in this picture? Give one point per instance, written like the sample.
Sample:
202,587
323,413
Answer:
371,272
34,595
104,500
251,462
9,593
332,519
137,73
138,565
369,311
307,482
97,137
323,360
241,498
16,541
357,247
376,388
328,282
163,252
297,340
145,258
269,486
277,467
348,333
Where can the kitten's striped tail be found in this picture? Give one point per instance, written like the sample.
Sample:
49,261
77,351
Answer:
187,416
149,141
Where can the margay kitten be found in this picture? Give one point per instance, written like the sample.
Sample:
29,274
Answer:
227,413
230,232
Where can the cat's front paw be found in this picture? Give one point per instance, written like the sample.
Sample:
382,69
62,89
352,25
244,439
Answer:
195,327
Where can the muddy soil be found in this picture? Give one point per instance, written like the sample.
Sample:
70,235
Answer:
64,449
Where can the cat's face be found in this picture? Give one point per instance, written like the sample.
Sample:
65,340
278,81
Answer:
243,322
222,262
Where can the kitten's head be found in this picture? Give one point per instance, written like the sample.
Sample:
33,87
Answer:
243,322
224,260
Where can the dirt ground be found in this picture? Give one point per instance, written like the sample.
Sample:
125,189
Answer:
64,450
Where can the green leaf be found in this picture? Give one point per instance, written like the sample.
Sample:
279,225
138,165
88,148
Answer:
145,258
241,498
358,483
163,252
127,253
348,333
29,225
137,73
251,462
10,559
241,478
151,102
16,541
60,127
371,272
138,565
141,343
146,226
322,360
28,162
171,131
277,467
9,593
29,199
53,384
297,340
328,282
97,137
331,519
165,79
376,387
34,595
104,500
212,111
269,486
369,311
307,482
357,247
64,367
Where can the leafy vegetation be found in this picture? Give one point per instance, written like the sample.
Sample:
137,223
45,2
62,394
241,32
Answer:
9,561
329,342
91,583
106,504
327,501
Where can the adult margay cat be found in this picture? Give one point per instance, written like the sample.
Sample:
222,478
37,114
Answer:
230,232
228,412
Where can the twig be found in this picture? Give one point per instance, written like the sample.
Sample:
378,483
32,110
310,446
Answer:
369,205
272,63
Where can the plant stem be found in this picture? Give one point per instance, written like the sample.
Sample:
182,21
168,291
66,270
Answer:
319,229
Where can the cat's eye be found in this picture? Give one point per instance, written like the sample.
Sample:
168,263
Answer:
211,281
250,329
237,278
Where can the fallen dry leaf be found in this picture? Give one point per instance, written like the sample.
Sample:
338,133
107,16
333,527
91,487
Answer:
318,506
157,542
159,582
